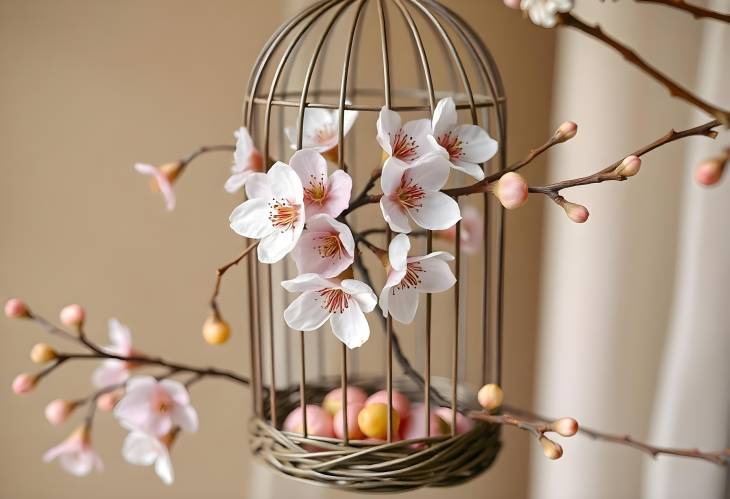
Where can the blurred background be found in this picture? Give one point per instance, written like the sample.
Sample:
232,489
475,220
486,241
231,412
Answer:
621,323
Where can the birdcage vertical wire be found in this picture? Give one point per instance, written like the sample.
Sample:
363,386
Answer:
313,60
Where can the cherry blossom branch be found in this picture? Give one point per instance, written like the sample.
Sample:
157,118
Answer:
675,90
696,11
219,276
612,171
721,457
100,353
205,149
363,198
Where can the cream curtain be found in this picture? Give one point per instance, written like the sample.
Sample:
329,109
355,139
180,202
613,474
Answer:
634,324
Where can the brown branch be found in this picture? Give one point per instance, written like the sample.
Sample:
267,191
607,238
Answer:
363,198
205,149
631,56
550,448
696,11
609,173
99,353
721,458
219,275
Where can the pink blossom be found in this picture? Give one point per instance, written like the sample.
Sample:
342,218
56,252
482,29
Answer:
472,230
154,407
76,454
162,179
410,276
407,143
321,129
145,450
413,193
326,247
246,160
322,194
15,308
115,371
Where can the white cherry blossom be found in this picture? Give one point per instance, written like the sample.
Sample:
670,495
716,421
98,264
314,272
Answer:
544,12
143,449
326,247
322,194
246,161
406,142
321,129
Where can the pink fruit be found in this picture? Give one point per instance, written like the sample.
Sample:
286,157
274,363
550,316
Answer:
353,428
416,425
463,423
333,400
319,421
401,404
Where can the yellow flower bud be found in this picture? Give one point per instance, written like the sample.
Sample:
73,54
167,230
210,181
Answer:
490,396
216,331
42,353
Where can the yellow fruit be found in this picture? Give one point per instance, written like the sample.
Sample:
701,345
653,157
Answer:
216,331
373,421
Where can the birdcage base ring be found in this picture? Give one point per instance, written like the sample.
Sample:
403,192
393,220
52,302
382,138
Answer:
364,466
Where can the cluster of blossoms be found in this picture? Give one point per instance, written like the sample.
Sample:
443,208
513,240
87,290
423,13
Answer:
297,208
542,12
153,410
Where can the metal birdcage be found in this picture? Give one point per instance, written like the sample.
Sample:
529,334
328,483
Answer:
361,55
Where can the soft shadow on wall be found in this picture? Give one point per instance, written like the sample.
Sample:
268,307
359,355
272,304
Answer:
88,89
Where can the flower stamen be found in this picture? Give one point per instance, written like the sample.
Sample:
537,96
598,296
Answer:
316,191
404,146
412,278
335,300
409,194
453,145
283,215
330,246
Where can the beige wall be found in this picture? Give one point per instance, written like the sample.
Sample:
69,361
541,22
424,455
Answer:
90,87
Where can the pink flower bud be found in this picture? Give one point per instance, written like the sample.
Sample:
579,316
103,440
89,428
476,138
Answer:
551,449
566,131
629,166
566,427
16,309
511,190
709,172
576,212
490,396
512,4
58,411
107,401
24,383
72,315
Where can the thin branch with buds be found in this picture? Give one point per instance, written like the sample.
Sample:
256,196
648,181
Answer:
721,457
696,11
676,90
219,276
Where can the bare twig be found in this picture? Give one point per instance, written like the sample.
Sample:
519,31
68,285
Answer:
609,173
631,56
219,275
206,149
721,457
696,11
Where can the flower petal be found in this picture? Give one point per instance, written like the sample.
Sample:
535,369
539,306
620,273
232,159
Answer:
394,215
350,326
110,372
477,145
437,211
236,181
307,282
259,186
176,391
119,335
244,149
278,244
473,170
403,304
436,276
361,292
392,174
140,448
338,194
163,468
284,181
398,251
251,219
78,463
387,125
306,313
430,172
444,117
309,166
418,130
186,417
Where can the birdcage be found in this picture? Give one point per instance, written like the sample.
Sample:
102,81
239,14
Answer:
361,55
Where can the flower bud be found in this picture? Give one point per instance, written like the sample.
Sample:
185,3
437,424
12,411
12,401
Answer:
629,166
709,172
58,411
216,331
567,427
107,401
512,4
490,396
42,353
72,315
576,212
171,170
16,309
567,130
511,190
552,450
24,383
